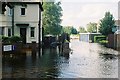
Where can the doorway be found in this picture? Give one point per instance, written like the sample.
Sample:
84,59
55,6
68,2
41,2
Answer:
23,34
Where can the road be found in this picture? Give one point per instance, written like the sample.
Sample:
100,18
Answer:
86,60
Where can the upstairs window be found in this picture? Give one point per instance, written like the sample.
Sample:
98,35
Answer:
22,11
32,33
10,12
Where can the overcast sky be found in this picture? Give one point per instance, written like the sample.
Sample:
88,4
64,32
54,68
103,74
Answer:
80,12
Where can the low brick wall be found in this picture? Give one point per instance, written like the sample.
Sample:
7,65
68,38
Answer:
20,47
16,47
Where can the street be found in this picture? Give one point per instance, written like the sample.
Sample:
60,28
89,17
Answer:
85,60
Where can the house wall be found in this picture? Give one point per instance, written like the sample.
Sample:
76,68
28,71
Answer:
6,21
31,18
84,37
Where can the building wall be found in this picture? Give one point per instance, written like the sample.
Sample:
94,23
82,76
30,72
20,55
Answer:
31,18
31,13
84,37
6,21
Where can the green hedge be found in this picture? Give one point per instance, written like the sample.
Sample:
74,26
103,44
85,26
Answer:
97,39
13,39
103,41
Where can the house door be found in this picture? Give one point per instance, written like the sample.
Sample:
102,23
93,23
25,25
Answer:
23,34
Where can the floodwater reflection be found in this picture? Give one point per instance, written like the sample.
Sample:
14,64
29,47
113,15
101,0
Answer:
87,60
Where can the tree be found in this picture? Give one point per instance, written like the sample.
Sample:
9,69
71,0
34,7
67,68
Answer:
82,30
92,27
52,18
106,24
67,29
74,30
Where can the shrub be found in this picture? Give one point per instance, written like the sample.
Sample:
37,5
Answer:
103,41
99,38
5,39
13,39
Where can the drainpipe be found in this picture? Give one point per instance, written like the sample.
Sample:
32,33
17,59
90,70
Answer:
13,21
39,27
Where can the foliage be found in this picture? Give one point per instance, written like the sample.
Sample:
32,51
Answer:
3,7
69,30
13,39
73,31
82,30
52,18
92,27
106,24
103,41
99,38
5,39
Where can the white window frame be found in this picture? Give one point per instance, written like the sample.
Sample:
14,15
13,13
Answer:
9,12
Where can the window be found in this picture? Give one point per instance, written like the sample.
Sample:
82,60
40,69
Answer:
9,32
1,30
32,33
22,11
10,12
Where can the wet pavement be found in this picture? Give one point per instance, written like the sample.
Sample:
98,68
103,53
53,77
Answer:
85,60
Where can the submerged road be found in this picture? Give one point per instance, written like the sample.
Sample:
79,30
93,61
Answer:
86,60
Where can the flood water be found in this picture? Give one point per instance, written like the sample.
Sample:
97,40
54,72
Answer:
85,60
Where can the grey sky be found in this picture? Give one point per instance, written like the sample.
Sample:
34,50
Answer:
80,12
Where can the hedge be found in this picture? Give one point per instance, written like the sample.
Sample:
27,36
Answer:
99,38
13,39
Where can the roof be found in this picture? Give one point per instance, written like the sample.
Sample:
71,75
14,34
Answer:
21,1
25,2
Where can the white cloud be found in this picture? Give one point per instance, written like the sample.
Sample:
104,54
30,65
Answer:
89,0
79,14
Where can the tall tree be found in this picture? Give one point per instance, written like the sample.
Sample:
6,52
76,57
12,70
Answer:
52,18
92,27
82,30
106,24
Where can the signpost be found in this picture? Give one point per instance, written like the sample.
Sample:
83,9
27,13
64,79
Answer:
7,48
